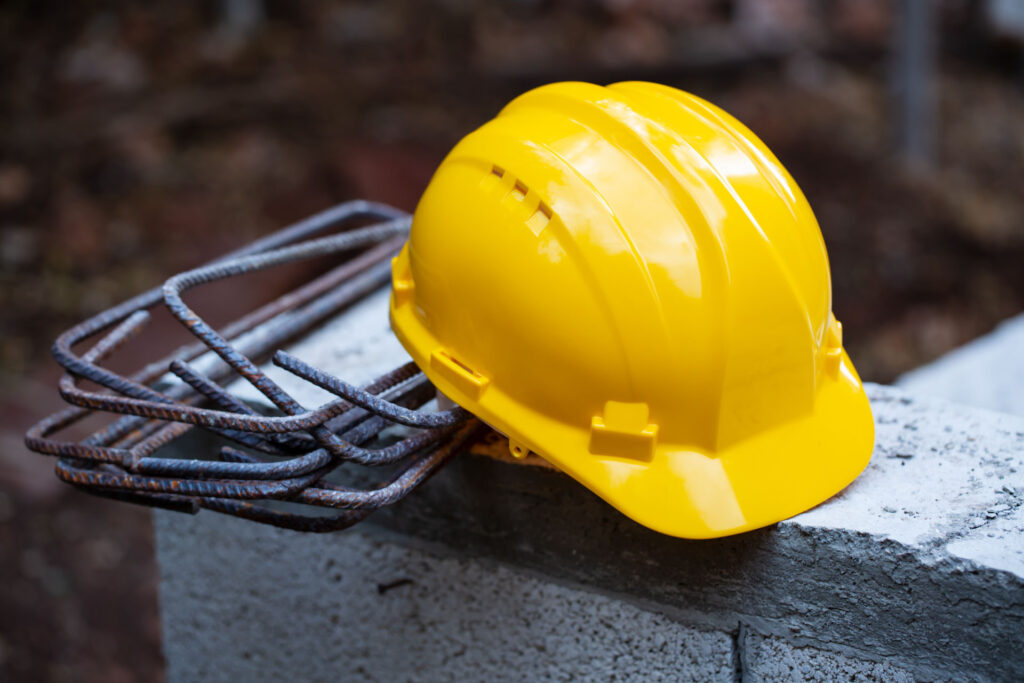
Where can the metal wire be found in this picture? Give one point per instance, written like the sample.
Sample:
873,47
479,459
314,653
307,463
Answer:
284,457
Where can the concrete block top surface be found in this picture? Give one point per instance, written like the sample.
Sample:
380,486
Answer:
943,478
987,372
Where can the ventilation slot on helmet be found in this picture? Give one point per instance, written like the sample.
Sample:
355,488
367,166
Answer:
519,191
539,220
493,180
515,197
465,379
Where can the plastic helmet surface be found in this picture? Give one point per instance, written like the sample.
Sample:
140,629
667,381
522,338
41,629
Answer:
625,281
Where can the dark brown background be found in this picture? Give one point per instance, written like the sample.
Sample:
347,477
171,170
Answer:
136,141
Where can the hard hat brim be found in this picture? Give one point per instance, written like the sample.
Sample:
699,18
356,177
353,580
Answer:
687,493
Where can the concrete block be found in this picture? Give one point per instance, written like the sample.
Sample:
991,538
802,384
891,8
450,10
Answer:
917,566
766,659
987,373
241,602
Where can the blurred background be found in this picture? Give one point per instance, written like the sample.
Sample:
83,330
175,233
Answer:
137,141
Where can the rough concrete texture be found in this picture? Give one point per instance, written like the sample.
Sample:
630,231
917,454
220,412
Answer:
987,373
918,565
944,480
768,659
269,605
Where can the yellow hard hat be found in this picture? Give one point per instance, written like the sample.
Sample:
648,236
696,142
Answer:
625,281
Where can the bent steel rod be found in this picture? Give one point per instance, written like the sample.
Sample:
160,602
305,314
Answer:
284,452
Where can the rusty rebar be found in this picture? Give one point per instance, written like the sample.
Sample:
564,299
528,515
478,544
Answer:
282,457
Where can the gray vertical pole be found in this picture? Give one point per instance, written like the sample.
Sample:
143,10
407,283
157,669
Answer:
913,70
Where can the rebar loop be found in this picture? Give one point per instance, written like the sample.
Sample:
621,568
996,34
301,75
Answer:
284,457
